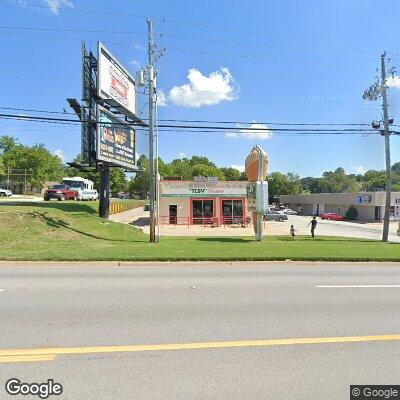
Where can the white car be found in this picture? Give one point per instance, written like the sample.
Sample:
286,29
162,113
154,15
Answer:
287,211
5,193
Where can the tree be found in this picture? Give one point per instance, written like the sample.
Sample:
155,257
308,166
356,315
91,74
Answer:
207,170
183,168
351,213
231,174
374,180
277,186
140,184
396,167
40,164
7,143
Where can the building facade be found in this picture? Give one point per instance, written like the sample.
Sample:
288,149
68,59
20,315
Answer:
370,205
202,201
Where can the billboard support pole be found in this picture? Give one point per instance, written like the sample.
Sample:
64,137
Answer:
150,75
104,204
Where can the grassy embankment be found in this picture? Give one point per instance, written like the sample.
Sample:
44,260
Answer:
72,231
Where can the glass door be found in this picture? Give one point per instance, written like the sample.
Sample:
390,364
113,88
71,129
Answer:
173,214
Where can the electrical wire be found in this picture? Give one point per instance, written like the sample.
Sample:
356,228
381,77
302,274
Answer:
204,26
201,121
192,128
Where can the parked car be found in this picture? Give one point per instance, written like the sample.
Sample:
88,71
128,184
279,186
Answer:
60,192
5,193
287,211
275,216
331,216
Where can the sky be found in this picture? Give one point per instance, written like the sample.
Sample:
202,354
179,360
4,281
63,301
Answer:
254,64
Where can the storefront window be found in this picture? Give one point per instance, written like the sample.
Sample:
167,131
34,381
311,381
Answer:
232,211
202,210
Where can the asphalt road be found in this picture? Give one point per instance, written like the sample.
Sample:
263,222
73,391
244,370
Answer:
73,319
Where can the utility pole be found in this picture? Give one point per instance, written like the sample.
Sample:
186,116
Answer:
150,75
379,89
386,132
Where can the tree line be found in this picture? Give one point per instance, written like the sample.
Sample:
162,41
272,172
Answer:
43,167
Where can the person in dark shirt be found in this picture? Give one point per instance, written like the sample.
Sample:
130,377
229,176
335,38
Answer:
313,225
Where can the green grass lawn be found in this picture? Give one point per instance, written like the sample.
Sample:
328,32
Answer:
72,231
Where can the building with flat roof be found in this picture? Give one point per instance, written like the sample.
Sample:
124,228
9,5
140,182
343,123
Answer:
202,201
370,205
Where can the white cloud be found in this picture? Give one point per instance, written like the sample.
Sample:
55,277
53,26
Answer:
135,63
240,168
59,153
161,98
393,81
358,170
261,132
203,90
182,155
55,5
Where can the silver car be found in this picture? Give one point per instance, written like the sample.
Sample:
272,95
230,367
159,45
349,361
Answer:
275,216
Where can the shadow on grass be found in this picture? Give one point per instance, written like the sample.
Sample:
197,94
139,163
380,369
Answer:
323,239
224,239
65,207
59,223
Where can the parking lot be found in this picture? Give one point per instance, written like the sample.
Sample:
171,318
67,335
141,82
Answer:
326,228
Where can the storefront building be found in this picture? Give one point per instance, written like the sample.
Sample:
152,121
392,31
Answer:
202,201
370,205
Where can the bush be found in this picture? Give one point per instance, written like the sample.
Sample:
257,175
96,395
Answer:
351,213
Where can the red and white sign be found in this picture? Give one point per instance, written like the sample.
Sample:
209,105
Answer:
115,84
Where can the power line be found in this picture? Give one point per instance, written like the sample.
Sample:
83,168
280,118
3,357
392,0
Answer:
135,45
141,47
204,26
204,121
193,128
170,35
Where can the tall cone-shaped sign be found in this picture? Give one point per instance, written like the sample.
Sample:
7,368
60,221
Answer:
257,188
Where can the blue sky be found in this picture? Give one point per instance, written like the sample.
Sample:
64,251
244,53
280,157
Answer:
304,62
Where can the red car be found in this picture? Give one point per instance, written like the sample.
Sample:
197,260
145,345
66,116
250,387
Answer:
331,216
60,192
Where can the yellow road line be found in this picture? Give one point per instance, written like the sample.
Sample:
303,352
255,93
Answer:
28,358
54,351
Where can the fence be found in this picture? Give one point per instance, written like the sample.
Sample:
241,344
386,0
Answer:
205,221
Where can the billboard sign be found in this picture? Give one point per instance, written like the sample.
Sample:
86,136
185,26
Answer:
115,85
115,140
363,199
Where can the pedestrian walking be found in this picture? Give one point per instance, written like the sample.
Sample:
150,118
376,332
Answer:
293,231
313,223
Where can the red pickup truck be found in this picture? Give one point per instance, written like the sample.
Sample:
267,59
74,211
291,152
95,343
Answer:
60,192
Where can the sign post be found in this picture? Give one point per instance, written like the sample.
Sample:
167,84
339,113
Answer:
257,188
